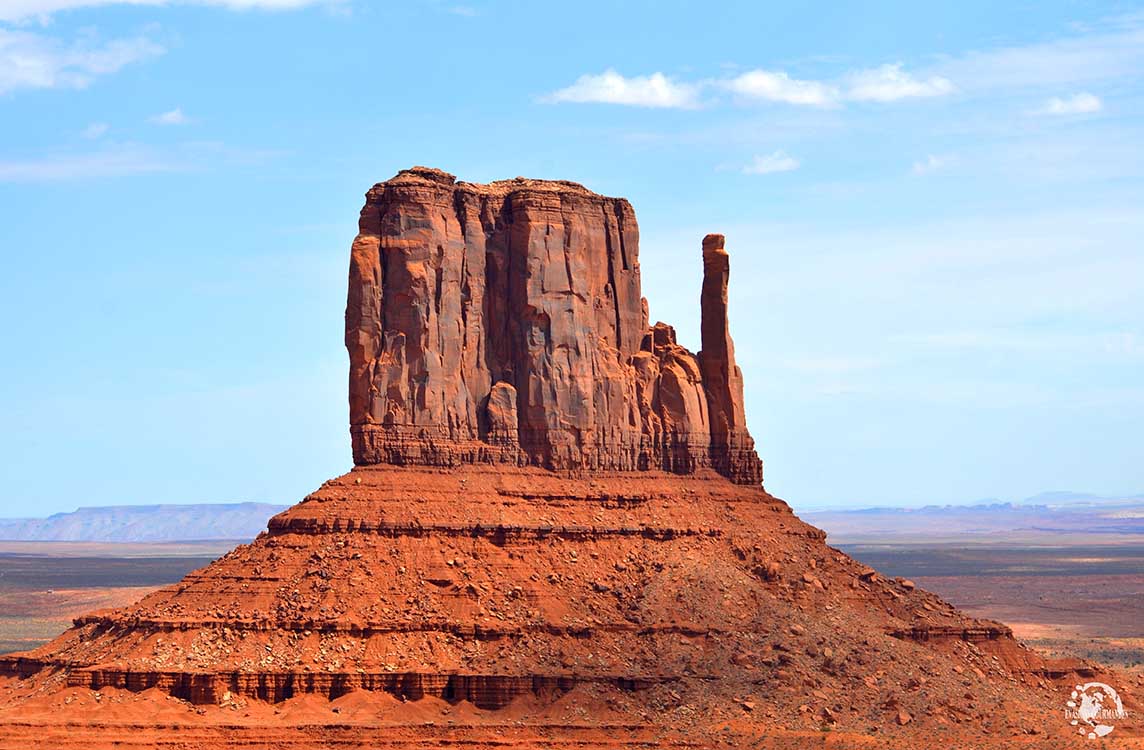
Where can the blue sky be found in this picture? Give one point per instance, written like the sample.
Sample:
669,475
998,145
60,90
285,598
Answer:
933,213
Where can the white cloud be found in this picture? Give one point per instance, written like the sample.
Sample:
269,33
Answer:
779,161
95,130
780,87
886,83
19,10
1080,104
656,90
1105,52
29,60
889,83
933,163
173,117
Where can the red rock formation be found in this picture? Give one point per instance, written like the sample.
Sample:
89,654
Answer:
732,449
497,330
463,296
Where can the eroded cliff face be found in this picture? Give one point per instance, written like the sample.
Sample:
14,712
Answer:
503,323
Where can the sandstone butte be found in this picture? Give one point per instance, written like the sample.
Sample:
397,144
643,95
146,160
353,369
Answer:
555,534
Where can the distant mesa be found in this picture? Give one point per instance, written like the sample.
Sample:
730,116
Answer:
144,523
1046,518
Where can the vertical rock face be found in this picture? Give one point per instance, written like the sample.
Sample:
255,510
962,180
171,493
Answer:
503,323
722,379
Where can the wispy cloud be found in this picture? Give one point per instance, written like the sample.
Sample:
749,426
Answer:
830,365
1110,51
779,161
120,161
20,10
171,117
1118,344
33,61
933,163
95,130
655,90
778,86
1078,104
889,83
129,160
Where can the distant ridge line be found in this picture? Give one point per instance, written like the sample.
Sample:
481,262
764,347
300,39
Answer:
163,522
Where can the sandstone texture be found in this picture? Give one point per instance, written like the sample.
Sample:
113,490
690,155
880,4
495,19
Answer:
504,323
555,536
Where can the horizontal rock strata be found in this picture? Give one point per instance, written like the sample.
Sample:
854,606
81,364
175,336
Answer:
483,584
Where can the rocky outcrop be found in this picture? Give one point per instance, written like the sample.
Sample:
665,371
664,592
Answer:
732,448
498,330
503,323
483,691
